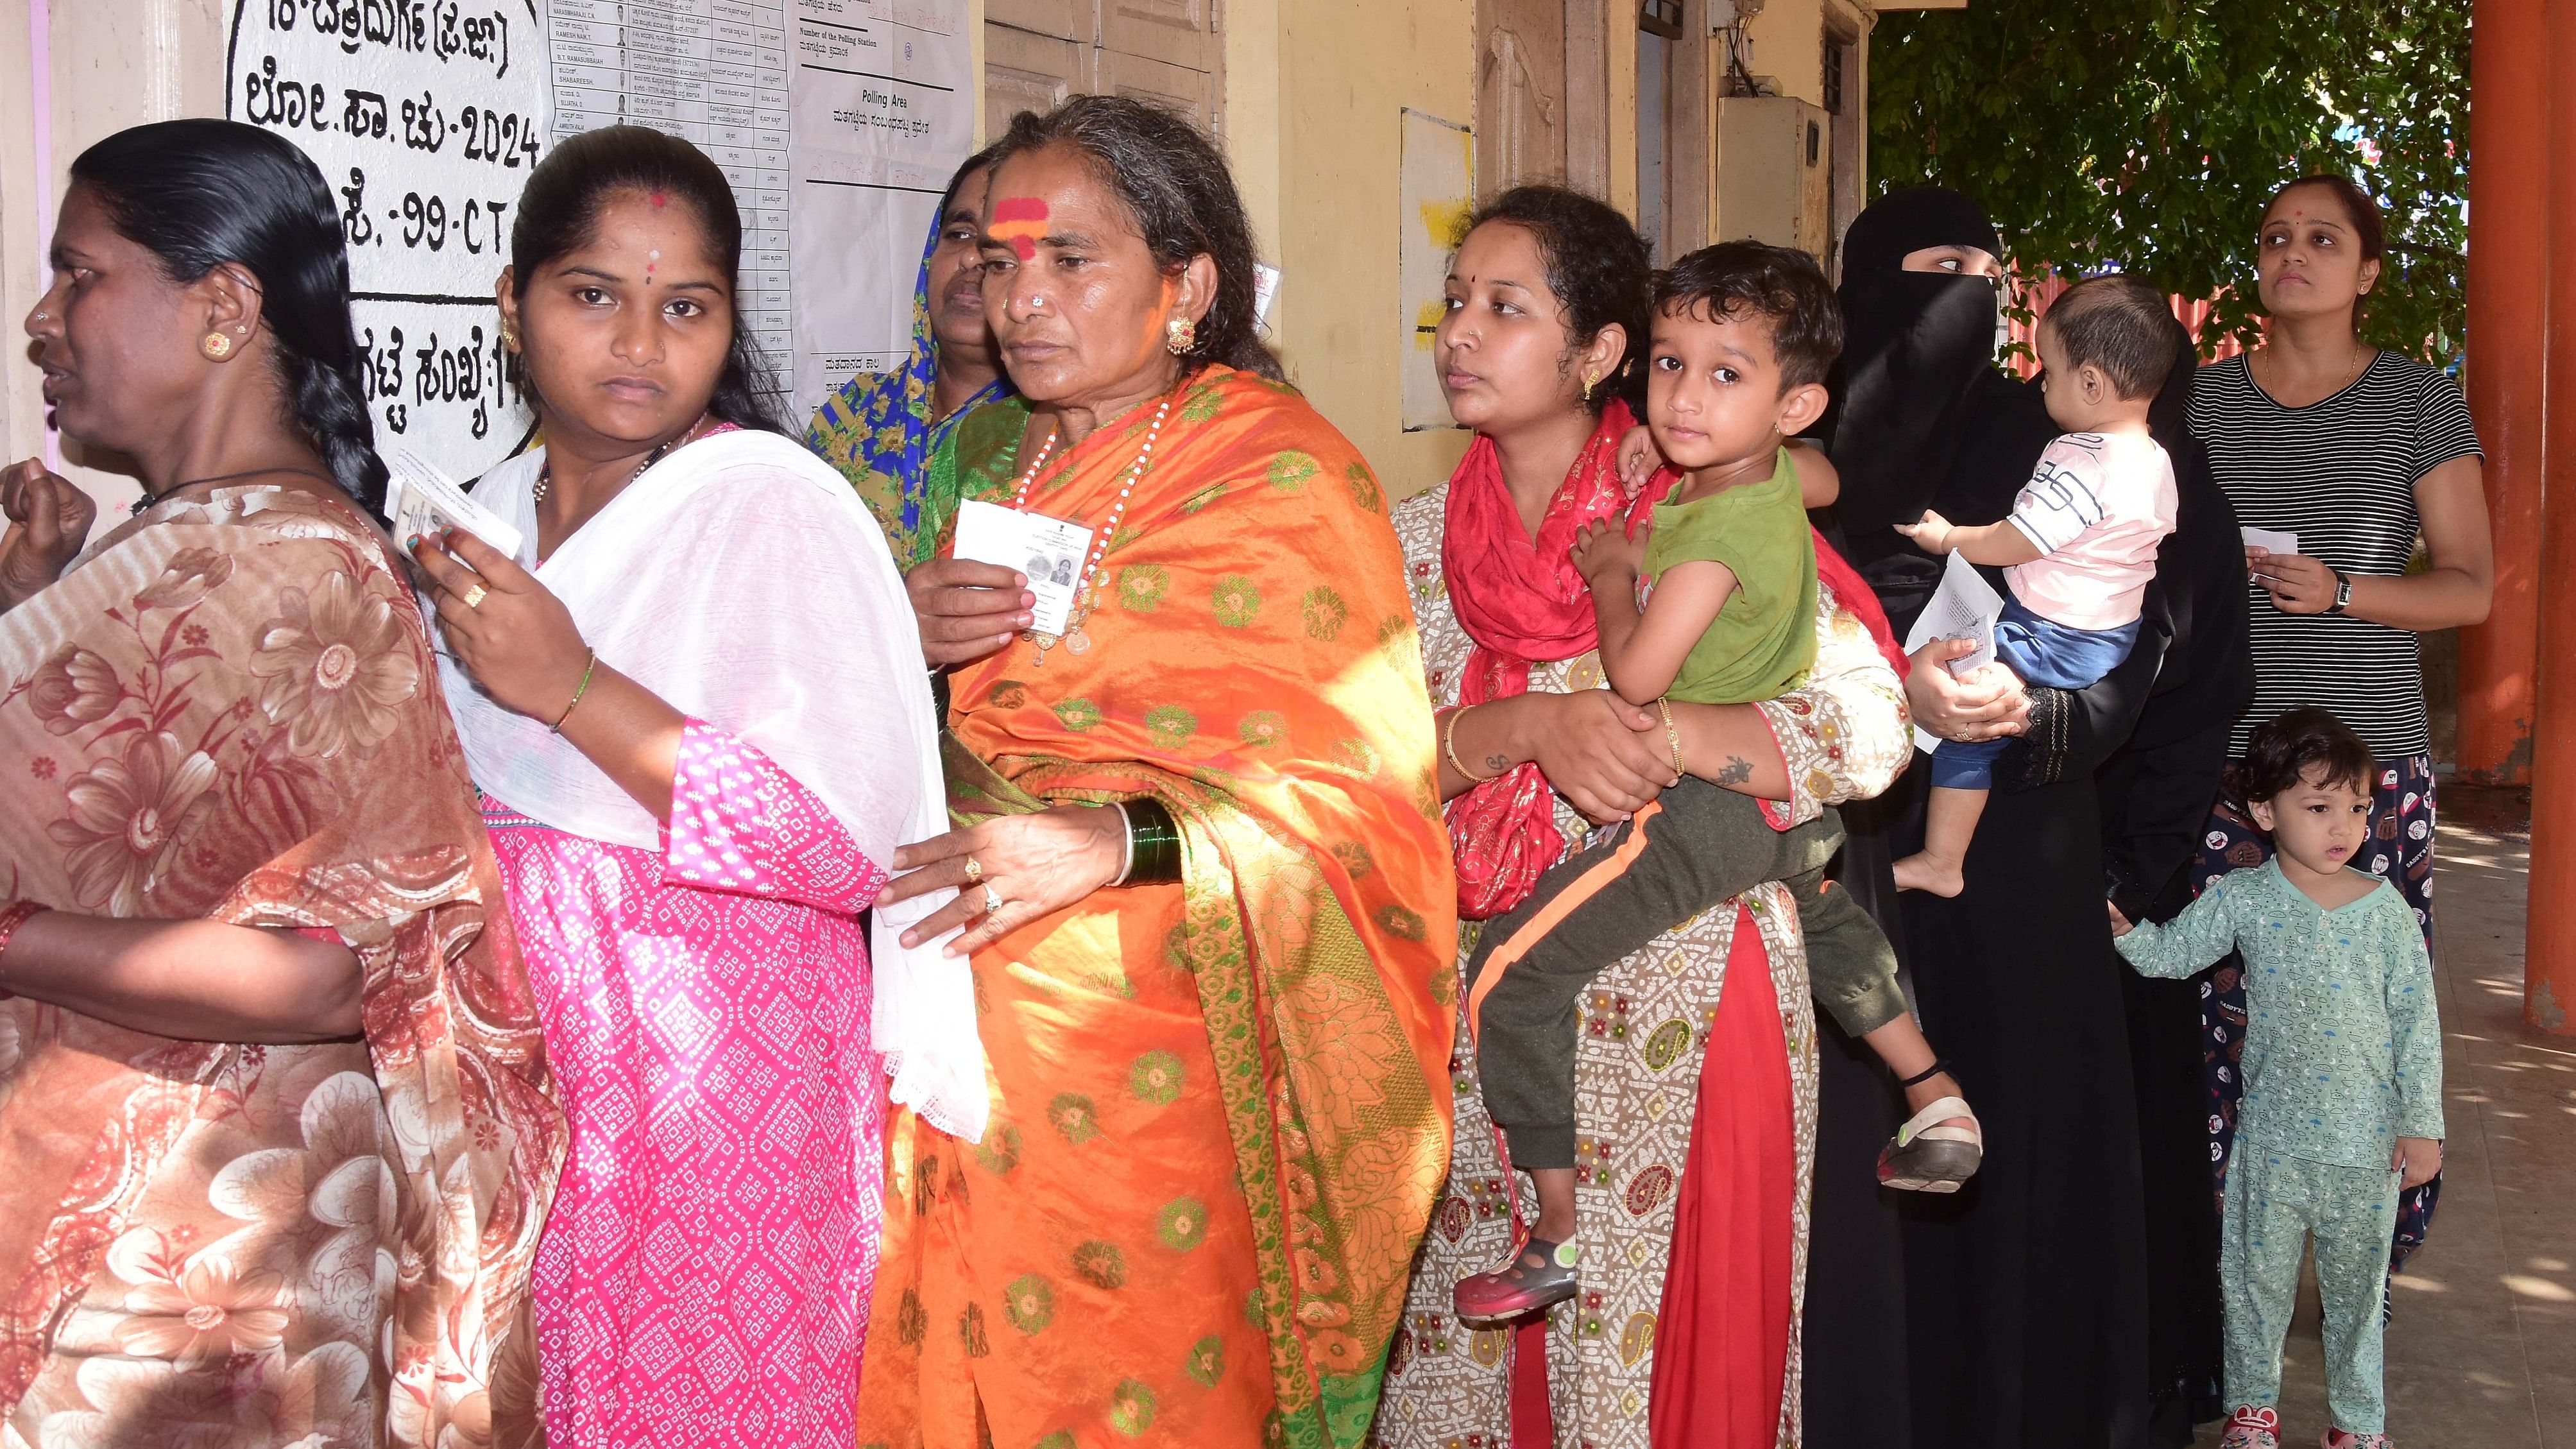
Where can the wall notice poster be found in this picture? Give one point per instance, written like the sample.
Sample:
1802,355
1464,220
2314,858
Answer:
882,102
713,72
425,117
1435,190
837,121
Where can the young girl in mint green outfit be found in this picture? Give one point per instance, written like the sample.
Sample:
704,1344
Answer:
2343,1072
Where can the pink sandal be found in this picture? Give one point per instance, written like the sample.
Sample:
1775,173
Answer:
1540,1275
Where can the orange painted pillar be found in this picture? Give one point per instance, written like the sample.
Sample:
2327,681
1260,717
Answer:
2549,970
2508,275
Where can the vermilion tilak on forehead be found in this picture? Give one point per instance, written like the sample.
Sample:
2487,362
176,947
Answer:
661,199
1020,221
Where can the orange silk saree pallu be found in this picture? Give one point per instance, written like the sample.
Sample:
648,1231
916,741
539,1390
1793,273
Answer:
1221,1107
229,711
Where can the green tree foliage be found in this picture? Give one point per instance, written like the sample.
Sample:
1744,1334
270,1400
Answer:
2146,135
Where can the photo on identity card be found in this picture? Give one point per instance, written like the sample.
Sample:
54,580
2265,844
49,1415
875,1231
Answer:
1049,550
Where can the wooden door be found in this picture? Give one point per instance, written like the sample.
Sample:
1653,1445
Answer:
1039,52
1520,93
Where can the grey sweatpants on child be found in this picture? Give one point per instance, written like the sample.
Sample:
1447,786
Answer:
1699,846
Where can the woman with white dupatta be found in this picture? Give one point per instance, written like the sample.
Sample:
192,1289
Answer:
694,705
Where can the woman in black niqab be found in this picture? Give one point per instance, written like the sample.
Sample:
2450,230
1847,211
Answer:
2013,1315
1919,409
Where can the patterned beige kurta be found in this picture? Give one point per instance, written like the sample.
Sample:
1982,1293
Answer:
1844,735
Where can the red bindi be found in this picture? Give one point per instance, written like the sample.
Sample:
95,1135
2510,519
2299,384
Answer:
660,200
1020,221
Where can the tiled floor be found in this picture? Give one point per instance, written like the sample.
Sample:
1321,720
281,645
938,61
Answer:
2482,1354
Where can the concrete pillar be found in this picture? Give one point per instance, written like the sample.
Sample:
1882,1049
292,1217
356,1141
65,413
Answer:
2509,149
2550,962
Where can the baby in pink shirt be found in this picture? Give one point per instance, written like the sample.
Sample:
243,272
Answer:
2079,547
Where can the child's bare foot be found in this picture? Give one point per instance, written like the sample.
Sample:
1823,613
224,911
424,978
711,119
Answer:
1930,874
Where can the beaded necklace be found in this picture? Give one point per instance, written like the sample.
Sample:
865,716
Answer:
1086,593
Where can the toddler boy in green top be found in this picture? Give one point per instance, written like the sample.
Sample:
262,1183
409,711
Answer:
1716,604
2343,1071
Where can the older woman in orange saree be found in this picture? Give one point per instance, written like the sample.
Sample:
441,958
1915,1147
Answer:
1218,1090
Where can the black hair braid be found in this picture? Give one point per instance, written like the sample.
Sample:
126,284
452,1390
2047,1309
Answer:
333,408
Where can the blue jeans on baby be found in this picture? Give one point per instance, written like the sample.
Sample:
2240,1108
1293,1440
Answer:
2042,652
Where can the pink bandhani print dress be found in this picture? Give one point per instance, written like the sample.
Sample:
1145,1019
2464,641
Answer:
704,1279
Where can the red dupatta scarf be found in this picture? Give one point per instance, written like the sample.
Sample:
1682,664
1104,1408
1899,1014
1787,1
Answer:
1523,604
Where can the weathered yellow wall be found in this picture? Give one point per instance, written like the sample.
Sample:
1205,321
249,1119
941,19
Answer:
1314,94
1788,45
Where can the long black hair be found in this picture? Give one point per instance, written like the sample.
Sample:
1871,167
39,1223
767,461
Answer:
1182,196
1598,267
559,211
199,194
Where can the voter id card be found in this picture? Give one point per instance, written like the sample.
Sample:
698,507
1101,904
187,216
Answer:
422,501
1049,550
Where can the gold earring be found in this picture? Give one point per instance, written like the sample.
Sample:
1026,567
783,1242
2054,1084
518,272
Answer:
509,337
216,346
1180,335
1590,381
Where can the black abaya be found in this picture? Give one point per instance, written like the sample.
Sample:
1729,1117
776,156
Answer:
2026,1293
2023,1297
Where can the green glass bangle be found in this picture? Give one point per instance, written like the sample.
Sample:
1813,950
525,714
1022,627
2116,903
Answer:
1153,843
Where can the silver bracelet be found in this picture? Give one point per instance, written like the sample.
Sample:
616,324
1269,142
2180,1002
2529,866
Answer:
1126,843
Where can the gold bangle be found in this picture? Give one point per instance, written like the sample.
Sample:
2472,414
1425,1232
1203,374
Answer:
1449,747
578,691
1672,737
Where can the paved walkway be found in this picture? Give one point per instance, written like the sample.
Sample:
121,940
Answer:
2482,1354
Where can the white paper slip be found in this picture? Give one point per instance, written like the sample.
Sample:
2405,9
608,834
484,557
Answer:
1964,607
1049,550
422,500
1265,286
2270,542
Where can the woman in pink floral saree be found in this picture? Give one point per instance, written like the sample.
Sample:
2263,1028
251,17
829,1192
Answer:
276,1134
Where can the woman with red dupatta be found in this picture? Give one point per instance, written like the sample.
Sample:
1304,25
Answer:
1694,1202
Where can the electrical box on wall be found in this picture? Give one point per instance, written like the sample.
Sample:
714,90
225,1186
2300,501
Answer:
1774,178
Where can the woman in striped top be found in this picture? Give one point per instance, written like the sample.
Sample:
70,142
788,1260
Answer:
2357,452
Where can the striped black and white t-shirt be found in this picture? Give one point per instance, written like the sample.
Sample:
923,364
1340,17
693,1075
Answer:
2339,473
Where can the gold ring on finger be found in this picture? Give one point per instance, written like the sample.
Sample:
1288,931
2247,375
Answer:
473,595
974,870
